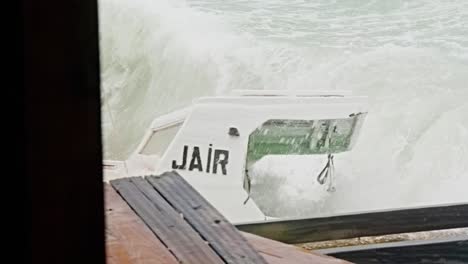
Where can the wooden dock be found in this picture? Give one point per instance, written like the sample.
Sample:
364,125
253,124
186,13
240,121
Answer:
162,219
448,250
363,224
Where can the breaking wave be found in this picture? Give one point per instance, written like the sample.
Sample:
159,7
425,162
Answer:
410,58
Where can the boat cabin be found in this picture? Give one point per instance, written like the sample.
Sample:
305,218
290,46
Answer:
214,142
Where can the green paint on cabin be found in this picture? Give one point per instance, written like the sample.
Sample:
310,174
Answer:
302,137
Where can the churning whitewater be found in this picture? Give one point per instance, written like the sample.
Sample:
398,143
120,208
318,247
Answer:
409,57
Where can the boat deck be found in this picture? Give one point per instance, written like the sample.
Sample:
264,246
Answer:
164,220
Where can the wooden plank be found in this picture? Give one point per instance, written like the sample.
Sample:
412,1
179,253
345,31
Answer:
363,224
203,217
279,253
184,242
454,250
128,239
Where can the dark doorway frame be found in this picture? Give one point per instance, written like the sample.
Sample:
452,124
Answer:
59,152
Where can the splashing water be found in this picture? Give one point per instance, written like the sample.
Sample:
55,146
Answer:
409,57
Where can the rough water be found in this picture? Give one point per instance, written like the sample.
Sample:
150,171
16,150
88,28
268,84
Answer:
409,57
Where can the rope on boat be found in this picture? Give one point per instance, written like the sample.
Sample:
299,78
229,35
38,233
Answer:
248,183
327,173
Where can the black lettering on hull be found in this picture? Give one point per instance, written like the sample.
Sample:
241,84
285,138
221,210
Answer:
184,160
196,163
220,158
208,160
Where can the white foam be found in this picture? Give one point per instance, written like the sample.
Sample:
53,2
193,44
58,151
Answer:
410,58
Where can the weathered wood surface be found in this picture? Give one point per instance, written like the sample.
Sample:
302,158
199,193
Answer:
184,243
279,253
205,219
168,222
128,239
454,250
363,224
148,231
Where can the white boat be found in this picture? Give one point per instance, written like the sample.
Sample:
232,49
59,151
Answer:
214,142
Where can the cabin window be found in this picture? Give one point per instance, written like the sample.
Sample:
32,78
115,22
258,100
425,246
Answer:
280,147
303,137
160,140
